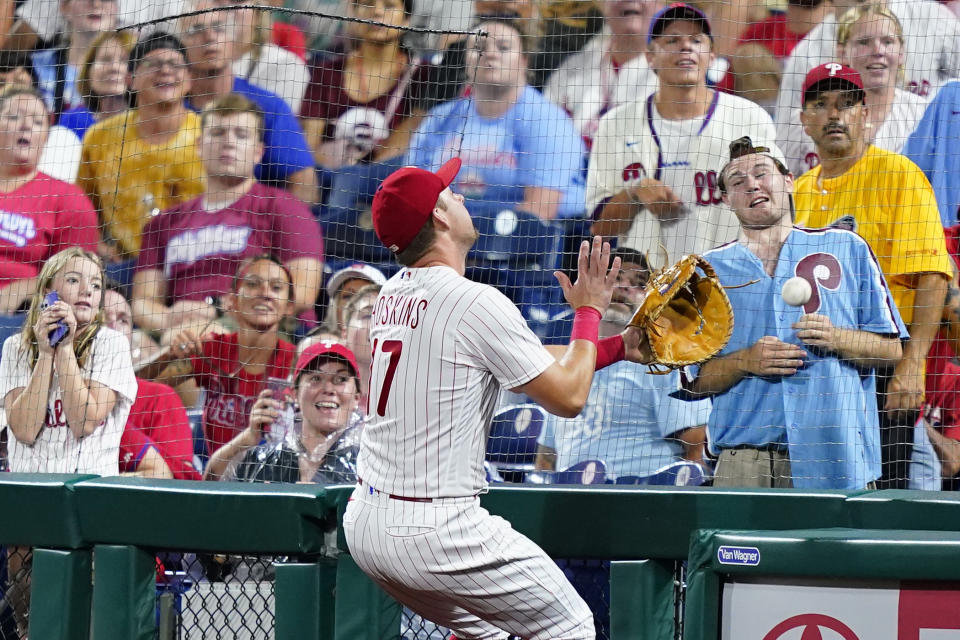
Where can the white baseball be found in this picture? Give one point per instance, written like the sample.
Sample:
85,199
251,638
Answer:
796,291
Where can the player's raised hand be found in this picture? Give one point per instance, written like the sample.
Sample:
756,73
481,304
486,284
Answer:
596,278
770,356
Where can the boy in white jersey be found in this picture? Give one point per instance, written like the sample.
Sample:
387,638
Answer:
443,346
652,178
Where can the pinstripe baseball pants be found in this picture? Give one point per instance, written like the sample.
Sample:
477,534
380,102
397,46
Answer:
456,565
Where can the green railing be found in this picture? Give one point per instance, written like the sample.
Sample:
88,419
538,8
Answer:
116,524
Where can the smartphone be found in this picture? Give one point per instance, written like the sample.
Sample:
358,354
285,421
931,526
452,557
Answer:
61,329
280,427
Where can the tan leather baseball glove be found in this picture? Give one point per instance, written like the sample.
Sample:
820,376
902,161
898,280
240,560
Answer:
686,316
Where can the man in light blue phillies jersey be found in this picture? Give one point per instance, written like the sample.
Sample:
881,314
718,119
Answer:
630,421
933,147
793,391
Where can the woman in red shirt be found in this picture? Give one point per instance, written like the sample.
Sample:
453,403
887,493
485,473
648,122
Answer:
39,215
234,368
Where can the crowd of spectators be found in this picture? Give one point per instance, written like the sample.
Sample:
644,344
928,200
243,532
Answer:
193,158
172,181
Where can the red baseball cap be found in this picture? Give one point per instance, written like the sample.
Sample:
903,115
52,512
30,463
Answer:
834,76
325,349
405,200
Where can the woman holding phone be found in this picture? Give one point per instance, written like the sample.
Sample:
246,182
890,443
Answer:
67,385
66,380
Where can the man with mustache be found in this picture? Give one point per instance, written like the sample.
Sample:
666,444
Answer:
886,199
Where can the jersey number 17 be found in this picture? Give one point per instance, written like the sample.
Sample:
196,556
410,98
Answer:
394,348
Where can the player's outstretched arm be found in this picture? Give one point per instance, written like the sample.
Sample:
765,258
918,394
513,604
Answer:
563,388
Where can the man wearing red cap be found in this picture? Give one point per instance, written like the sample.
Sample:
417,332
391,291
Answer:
886,199
443,347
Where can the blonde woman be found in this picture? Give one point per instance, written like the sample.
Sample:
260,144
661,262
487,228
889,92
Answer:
67,403
869,39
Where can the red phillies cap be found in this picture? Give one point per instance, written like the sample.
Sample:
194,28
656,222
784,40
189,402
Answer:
835,76
405,200
325,349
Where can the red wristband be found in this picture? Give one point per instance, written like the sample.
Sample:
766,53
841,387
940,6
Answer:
610,350
586,324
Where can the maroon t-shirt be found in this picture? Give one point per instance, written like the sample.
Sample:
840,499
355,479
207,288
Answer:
326,99
40,219
199,251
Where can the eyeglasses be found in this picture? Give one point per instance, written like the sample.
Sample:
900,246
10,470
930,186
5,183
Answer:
153,64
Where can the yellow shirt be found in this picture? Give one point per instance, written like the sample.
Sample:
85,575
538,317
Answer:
128,179
887,200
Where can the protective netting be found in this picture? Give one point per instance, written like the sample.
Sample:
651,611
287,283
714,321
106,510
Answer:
179,142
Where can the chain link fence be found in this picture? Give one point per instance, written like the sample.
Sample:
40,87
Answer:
229,597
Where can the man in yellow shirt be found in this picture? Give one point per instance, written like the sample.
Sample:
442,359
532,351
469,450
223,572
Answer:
144,160
885,198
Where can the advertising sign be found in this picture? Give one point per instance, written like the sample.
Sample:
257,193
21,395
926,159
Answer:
831,610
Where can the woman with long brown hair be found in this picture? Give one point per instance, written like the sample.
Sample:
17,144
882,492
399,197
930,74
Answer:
364,103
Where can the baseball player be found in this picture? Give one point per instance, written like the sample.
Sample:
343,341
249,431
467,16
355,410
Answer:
653,169
794,389
443,346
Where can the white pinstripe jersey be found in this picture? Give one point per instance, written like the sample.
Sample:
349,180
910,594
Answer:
634,142
443,346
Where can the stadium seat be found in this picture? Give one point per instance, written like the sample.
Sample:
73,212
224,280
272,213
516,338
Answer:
121,273
584,472
512,444
677,474
10,325
346,221
517,253
515,238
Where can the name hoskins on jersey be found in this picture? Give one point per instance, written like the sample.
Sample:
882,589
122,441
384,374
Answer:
441,349
399,310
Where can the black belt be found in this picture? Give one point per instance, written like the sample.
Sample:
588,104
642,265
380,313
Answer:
771,447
